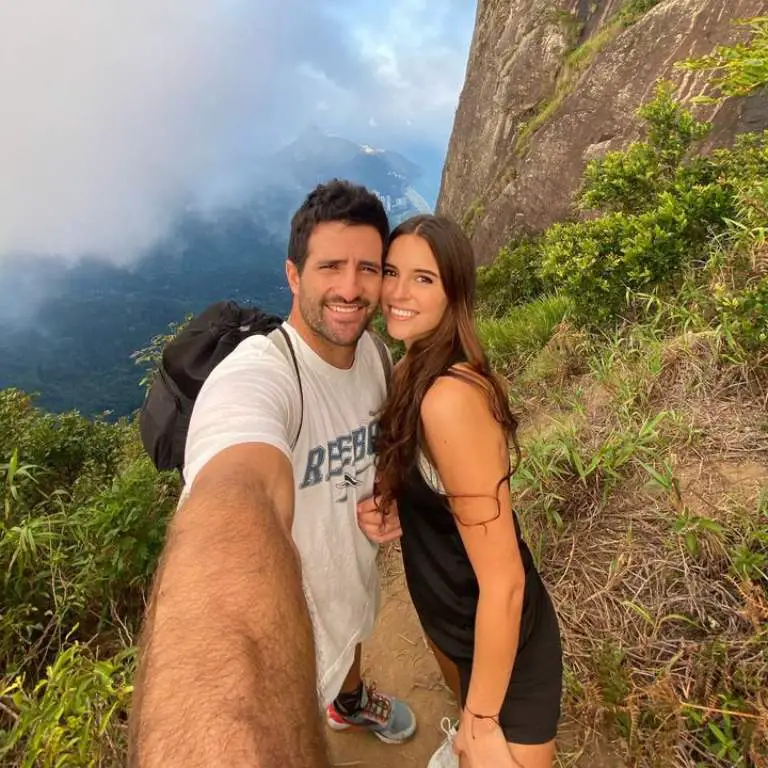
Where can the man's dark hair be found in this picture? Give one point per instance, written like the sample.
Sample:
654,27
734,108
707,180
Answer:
335,201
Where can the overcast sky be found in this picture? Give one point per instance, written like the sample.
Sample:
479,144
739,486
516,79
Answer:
116,111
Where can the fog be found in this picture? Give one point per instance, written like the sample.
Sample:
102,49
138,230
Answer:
117,114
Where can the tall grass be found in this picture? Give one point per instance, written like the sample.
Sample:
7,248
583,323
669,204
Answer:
516,337
82,526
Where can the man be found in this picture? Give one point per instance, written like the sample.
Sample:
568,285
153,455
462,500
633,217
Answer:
267,586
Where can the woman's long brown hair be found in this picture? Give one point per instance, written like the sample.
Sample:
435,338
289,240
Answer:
455,338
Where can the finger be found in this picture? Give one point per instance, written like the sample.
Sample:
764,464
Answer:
370,523
369,513
383,538
366,505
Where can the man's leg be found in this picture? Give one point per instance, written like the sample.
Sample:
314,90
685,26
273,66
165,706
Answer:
355,676
361,707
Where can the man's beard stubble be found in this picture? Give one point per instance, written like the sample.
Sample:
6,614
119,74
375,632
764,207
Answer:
313,317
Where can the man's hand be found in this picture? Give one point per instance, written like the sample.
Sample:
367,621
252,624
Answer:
377,526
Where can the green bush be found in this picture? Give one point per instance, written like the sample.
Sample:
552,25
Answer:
66,718
744,314
737,70
597,262
82,526
631,180
661,211
63,445
512,279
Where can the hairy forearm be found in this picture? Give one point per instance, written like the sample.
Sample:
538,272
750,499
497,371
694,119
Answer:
227,643
497,631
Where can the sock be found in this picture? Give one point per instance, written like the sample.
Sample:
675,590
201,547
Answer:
349,703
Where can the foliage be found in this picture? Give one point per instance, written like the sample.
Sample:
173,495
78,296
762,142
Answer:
654,209
744,313
512,279
630,181
661,210
82,527
66,719
150,356
736,70
647,569
633,10
667,268
379,327
513,339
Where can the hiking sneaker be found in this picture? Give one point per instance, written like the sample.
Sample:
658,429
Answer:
387,718
445,757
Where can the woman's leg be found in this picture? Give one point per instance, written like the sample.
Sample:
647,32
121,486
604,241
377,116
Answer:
449,669
534,755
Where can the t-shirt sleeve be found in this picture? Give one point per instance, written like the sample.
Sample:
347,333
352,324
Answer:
252,396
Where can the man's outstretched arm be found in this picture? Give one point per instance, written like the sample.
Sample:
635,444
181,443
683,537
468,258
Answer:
227,673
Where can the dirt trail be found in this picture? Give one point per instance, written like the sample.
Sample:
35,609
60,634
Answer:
397,658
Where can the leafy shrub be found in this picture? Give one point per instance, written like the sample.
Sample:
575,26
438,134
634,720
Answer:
744,314
64,719
596,262
512,279
661,211
64,444
737,70
631,181
82,525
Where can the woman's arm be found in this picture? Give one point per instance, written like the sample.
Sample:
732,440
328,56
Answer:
471,455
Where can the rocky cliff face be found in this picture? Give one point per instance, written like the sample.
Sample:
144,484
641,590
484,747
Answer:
552,84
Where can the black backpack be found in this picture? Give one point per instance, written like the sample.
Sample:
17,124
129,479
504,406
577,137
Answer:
189,358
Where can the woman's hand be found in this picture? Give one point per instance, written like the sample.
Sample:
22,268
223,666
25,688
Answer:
377,526
482,743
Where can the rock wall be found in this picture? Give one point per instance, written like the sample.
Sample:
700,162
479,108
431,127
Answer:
553,83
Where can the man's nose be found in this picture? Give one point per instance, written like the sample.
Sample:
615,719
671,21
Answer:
350,284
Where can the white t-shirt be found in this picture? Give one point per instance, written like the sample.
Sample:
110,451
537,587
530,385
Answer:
252,396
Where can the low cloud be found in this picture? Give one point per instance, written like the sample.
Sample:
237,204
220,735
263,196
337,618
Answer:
116,114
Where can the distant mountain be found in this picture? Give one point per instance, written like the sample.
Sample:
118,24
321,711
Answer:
315,157
69,331
74,348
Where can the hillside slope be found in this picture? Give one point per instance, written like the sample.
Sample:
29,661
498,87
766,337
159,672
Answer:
550,85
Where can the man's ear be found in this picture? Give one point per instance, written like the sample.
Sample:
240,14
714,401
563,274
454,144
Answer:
293,276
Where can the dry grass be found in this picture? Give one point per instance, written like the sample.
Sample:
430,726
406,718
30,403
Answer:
666,644
665,639
390,563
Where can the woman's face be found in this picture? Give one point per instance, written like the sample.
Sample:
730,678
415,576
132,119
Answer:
413,300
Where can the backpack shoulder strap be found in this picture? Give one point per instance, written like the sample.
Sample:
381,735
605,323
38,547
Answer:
386,359
283,342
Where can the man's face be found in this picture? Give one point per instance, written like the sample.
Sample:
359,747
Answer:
338,289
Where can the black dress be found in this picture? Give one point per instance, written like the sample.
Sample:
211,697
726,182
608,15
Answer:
444,591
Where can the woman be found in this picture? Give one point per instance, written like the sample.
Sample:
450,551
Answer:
443,467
